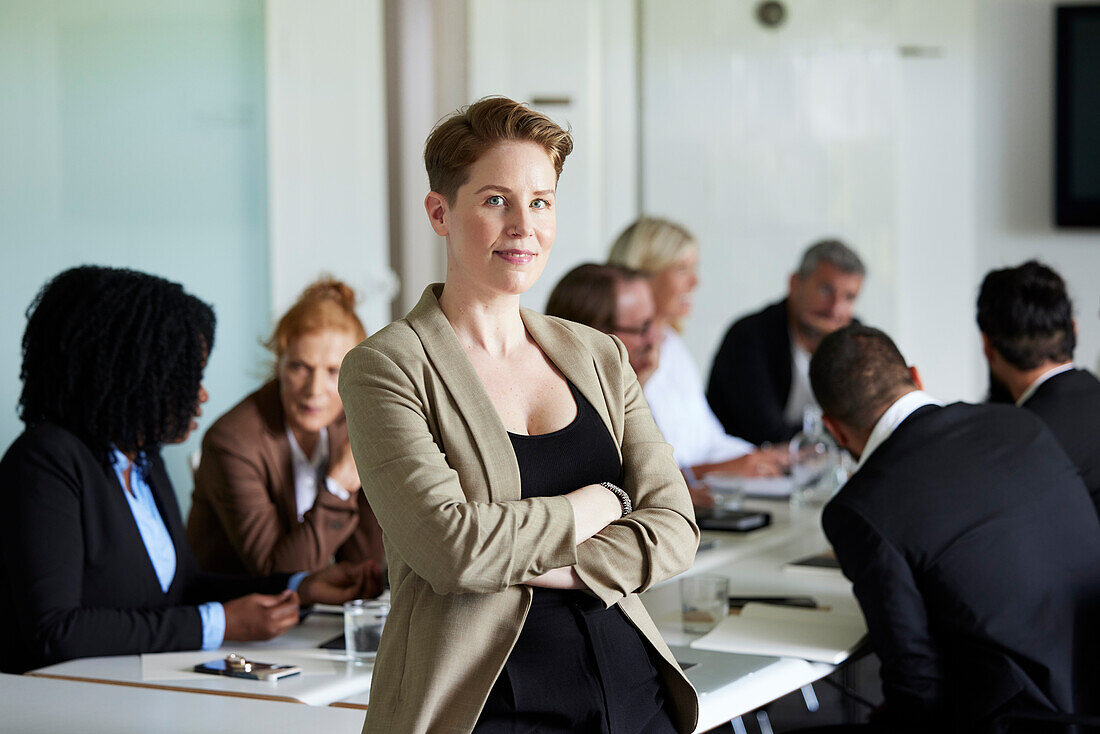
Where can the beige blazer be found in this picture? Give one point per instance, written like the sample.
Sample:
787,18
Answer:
439,471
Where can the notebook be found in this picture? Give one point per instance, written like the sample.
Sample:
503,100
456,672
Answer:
821,635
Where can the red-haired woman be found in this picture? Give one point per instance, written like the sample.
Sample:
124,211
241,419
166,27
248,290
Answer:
276,489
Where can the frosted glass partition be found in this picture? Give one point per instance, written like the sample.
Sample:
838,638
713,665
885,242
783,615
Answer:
134,136
763,140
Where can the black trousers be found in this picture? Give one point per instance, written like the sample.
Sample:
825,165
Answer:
577,667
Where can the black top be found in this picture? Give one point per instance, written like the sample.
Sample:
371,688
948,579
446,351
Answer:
750,380
1069,403
582,453
577,666
75,577
974,552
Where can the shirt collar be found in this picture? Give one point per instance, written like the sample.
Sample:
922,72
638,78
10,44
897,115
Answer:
319,456
120,462
894,416
1026,395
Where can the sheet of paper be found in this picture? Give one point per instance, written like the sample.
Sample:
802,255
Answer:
771,487
826,636
822,563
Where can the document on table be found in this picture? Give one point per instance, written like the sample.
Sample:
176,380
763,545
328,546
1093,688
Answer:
768,487
820,635
822,563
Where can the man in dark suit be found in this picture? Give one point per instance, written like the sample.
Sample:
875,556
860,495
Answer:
1028,336
970,541
759,384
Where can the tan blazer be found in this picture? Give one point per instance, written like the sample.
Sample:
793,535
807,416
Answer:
244,515
440,473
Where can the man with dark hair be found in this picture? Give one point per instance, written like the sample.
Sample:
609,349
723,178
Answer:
759,384
1028,336
970,541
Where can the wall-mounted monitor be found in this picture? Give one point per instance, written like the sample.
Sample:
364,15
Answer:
1077,116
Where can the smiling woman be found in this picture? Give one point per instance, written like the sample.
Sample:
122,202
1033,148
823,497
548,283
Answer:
525,493
276,489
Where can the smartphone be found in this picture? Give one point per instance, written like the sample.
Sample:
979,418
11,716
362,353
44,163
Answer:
739,521
249,669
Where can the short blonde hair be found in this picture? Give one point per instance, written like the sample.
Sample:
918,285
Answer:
650,244
462,137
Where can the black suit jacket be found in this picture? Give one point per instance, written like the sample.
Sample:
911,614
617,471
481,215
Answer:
974,552
1069,403
750,379
75,578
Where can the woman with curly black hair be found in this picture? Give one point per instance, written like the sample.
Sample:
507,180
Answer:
94,558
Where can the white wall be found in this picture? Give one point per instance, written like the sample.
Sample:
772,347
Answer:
936,259
326,146
1013,141
582,56
133,136
853,120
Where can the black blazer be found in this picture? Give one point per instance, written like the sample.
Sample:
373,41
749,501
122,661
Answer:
974,552
1069,403
75,578
750,379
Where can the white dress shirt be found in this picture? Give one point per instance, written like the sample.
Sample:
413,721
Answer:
801,395
894,416
1026,394
308,471
675,396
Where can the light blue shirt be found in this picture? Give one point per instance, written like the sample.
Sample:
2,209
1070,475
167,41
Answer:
159,545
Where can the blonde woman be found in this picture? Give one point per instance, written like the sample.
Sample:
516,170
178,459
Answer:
670,254
525,495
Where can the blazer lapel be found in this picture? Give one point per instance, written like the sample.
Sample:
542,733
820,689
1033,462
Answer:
275,449
575,361
457,373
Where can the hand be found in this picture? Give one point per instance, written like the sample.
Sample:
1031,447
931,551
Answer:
260,616
341,467
701,497
342,582
594,508
769,462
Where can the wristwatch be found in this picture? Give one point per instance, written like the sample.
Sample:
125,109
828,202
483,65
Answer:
624,498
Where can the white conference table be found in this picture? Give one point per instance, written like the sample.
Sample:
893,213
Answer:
729,684
32,705
327,678
754,564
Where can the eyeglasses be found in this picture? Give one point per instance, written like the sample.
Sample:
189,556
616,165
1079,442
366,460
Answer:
642,330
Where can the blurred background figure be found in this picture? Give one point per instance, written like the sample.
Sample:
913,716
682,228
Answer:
759,384
964,530
669,253
616,300
276,489
94,559
1028,338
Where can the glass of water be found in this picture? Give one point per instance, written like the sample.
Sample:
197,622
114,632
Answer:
704,602
363,623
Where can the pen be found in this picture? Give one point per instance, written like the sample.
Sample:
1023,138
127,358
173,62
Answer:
803,602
